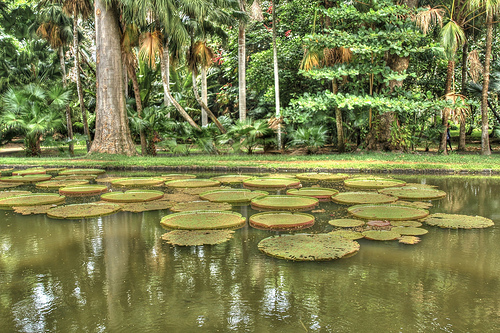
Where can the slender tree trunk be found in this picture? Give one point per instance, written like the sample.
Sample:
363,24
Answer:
338,120
79,88
449,79
204,97
165,79
112,134
204,106
242,89
138,104
125,80
465,53
69,123
276,75
165,69
485,140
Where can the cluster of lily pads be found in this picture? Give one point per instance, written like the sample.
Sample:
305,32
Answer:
380,208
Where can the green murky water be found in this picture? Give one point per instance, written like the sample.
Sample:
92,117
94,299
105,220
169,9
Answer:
114,274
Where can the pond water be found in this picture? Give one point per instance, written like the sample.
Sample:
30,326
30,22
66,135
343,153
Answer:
114,274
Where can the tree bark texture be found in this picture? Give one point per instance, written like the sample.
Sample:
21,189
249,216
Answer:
112,134
204,106
204,95
276,75
242,89
465,53
338,120
69,123
379,138
485,139
165,78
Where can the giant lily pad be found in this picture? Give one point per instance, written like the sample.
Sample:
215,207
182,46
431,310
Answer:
347,234
457,221
308,247
410,231
30,171
202,220
414,193
26,178
200,205
82,172
180,197
7,194
86,210
6,170
381,235
288,202
108,179
139,207
414,224
189,183
232,195
373,183
232,179
139,181
83,190
8,185
60,183
177,176
33,210
200,190
197,237
132,196
387,212
32,199
415,204
354,198
321,193
281,220
346,223
324,176
272,183
75,177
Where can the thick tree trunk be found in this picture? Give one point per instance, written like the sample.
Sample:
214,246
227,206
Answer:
69,123
112,134
465,53
380,136
204,95
276,75
397,64
204,106
338,120
485,140
449,79
242,89
138,104
165,69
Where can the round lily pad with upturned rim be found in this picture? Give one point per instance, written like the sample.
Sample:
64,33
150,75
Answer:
82,172
378,223
83,190
373,183
142,181
177,176
197,237
347,223
32,199
30,171
458,221
32,210
6,169
414,193
200,190
321,193
415,204
26,178
324,176
200,205
60,183
75,177
355,198
132,196
381,235
410,231
275,183
9,185
308,247
232,179
414,224
281,220
86,210
108,179
387,212
7,194
139,207
348,234
232,195
288,202
189,183
202,220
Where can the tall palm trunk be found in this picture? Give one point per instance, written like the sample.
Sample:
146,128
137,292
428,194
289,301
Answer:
449,80
165,71
485,140
138,104
79,88
338,120
204,95
112,134
204,106
242,89
69,123
461,140
276,76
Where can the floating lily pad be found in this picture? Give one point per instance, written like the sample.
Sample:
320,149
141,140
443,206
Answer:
6,170
30,171
324,176
281,220
414,193
289,202
108,179
201,220
7,194
373,183
197,237
32,199
83,190
410,231
132,196
381,235
414,224
26,178
33,210
353,198
200,190
139,207
177,176
308,247
60,183
75,177
457,221
82,172
200,205
273,183
347,234
232,179
320,193
53,170
378,223
86,210
180,197
232,195
143,181
415,204
9,185
347,223
387,212
409,240
189,183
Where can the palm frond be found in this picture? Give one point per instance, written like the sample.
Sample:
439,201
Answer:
150,47
452,37
475,65
428,18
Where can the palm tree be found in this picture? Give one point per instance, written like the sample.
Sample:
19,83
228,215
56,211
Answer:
242,89
276,74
